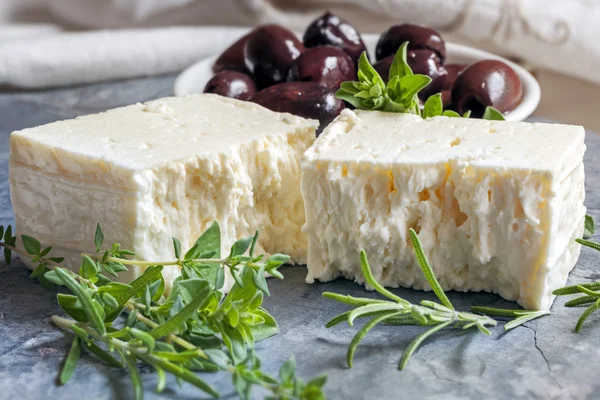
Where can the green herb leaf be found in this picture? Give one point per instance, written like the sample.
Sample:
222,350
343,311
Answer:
585,315
71,361
589,227
88,269
427,270
32,245
412,347
399,66
177,248
361,334
102,355
451,114
492,114
138,388
92,309
200,298
98,238
433,106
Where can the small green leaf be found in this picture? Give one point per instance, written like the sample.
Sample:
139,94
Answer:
427,270
161,381
241,246
177,247
451,114
53,278
589,227
88,269
411,85
69,305
399,66
433,106
265,330
32,245
136,381
252,245
145,337
201,298
8,234
585,315
412,347
71,361
467,114
288,369
218,357
370,279
361,334
103,355
109,300
98,238
7,256
260,281
491,114
92,309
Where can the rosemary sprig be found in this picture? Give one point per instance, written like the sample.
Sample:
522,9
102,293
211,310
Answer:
400,94
195,328
519,316
398,311
590,291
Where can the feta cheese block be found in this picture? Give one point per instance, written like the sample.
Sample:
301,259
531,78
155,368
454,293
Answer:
166,168
497,205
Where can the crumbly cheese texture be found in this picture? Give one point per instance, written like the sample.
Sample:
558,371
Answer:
166,168
497,205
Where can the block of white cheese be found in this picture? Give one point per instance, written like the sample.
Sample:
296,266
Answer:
497,205
166,168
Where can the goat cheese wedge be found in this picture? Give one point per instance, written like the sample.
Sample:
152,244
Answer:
497,205
166,168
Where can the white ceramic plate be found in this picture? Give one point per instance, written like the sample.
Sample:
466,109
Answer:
193,79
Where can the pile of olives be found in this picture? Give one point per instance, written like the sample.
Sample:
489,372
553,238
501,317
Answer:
272,67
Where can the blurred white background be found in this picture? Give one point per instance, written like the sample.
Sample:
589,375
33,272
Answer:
558,39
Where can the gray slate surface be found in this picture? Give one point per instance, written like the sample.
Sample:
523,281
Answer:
541,360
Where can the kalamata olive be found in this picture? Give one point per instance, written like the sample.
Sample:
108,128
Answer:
329,29
305,99
231,84
269,52
424,62
454,70
486,83
326,65
232,59
418,37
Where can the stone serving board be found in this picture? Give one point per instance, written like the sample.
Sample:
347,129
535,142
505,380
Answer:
544,359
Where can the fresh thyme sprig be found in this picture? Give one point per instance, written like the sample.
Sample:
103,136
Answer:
519,316
400,94
398,311
186,331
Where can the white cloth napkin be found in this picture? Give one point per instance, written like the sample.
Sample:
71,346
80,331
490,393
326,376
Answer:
559,35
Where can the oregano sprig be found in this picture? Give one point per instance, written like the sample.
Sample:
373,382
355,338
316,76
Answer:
400,93
397,311
196,328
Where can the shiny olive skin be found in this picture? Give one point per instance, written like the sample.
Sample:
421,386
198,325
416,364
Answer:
326,65
329,29
232,84
486,83
232,59
454,70
418,37
269,52
305,99
424,62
